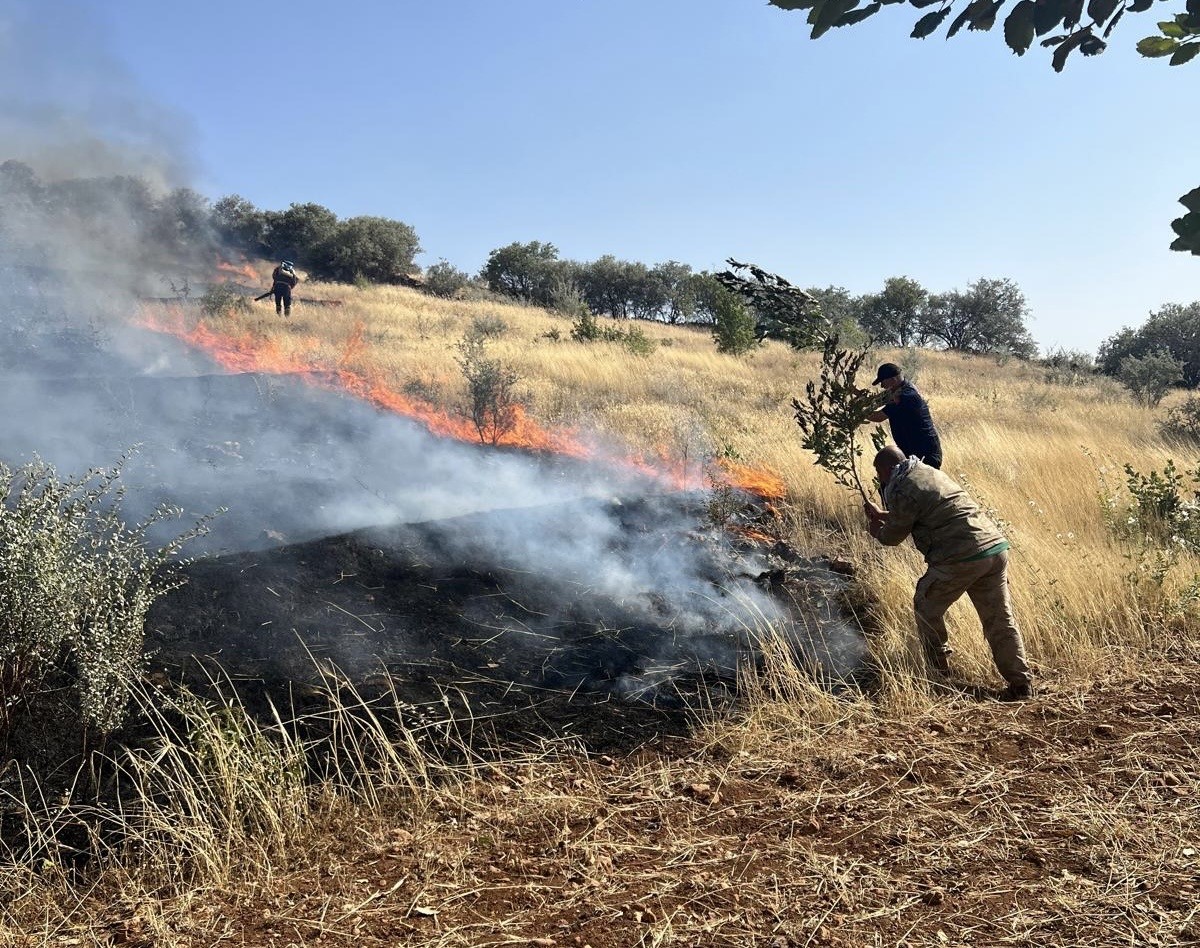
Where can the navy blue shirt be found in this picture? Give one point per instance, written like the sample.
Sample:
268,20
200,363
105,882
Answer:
912,426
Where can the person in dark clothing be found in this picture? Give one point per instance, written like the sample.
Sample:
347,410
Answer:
283,280
908,415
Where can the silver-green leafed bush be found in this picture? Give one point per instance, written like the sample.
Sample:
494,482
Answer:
76,584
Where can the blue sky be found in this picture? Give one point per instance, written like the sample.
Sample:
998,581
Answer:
674,129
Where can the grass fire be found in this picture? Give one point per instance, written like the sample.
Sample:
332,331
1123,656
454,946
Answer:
351,598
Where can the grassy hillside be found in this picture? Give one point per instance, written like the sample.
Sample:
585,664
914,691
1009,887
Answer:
1039,454
908,817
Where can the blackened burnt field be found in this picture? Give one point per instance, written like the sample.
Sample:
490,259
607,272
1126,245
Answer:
511,619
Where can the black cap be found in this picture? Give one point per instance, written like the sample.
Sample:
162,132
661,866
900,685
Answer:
889,370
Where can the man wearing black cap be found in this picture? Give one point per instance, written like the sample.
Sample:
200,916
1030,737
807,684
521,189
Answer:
908,415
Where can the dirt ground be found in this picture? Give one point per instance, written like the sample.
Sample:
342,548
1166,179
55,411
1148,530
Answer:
1068,820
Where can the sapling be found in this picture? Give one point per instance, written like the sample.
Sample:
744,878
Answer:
832,412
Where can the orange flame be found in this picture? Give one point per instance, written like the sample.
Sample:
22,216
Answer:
245,352
243,270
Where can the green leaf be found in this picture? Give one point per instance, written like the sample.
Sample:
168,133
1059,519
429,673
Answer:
1092,46
1139,6
1186,53
857,16
1047,15
1191,200
1155,46
1113,22
928,23
1072,11
921,4
1172,29
1193,7
960,20
1063,50
829,13
792,4
1018,27
986,20
1101,10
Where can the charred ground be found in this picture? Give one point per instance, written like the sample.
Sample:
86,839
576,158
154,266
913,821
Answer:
446,615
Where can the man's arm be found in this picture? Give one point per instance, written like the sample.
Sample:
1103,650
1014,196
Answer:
890,527
899,523
877,416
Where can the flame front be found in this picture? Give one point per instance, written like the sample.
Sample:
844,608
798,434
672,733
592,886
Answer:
243,270
245,352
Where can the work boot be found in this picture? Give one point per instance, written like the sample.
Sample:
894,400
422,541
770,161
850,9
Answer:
1021,691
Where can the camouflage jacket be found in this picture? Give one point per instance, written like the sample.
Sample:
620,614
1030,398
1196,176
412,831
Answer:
945,523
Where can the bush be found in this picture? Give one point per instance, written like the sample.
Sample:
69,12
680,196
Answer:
1162,509
734,326
637,343
1151,376
1183,421
567,299
491,389
1068,367
487,327
445,280
588,329
75,585
222,299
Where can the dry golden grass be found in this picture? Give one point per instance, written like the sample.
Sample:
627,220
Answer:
909,818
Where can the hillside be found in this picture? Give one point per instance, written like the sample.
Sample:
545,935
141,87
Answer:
904,814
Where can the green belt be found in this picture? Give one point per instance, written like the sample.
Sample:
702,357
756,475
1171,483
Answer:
990,551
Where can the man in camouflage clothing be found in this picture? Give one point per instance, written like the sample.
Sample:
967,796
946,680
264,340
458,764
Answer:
965,552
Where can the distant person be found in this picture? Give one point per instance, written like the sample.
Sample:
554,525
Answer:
965,552
908,415
283,281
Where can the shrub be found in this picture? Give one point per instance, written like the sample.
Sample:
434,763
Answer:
1183,421
637,343
75,585
1068,366
221,299
491,389
734,326
1162,508
567,299
910,361
588,329
487,327
1151,376
445,280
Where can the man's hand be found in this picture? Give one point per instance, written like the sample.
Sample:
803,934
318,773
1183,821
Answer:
876,518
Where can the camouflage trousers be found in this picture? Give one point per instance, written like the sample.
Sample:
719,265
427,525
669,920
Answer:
986,582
